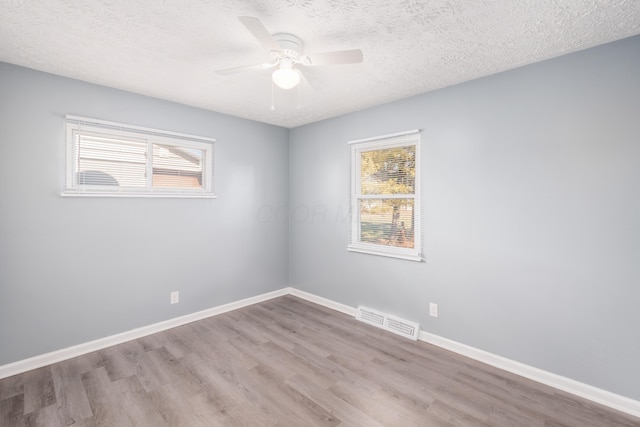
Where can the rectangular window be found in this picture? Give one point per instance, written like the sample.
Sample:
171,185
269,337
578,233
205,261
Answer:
112,159
385,196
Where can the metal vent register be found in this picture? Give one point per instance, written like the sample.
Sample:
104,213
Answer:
390,323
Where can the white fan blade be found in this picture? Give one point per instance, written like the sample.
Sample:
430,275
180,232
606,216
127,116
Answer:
306,81
239,70
260,32
334,58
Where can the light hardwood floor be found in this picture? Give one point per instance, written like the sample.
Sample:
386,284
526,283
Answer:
285,362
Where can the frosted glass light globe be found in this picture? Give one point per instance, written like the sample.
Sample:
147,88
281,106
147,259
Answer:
286,78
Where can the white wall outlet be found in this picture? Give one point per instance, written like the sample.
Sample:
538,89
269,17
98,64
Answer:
433,309
175,297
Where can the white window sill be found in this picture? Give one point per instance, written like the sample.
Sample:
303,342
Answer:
372,251
140,195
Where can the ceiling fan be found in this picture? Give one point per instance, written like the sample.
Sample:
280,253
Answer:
286,51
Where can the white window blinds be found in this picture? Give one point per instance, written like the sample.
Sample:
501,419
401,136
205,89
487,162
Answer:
111,159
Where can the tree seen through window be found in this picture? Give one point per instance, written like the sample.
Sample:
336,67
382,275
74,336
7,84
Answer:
389,173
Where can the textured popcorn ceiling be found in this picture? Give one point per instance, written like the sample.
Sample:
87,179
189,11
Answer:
170,49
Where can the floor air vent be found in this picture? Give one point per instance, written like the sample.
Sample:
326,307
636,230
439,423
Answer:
390,323
369,316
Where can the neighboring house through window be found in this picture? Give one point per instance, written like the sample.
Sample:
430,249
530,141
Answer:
385,196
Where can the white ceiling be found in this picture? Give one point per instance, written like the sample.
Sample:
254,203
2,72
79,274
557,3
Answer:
170,49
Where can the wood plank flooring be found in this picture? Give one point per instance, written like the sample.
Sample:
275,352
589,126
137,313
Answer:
285,362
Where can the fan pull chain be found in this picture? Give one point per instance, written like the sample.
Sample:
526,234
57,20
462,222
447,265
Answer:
299,90
273,107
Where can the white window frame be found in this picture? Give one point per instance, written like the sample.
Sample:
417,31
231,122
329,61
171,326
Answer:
401,139
149,136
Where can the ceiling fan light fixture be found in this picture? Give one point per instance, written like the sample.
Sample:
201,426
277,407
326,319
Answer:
286,78
286,51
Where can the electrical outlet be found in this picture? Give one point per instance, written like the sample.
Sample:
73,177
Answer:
175,297
433,309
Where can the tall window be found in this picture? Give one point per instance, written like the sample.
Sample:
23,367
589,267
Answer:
385,196
111,159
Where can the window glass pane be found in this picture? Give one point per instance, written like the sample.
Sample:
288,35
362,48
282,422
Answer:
105,160
388,222
177,167
388,171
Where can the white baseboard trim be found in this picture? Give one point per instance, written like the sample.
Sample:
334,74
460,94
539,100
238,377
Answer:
101,343
603,397
586,391
342,308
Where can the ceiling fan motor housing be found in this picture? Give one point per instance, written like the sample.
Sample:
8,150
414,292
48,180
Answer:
290,44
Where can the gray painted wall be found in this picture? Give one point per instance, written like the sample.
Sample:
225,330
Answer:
531,219
77,269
